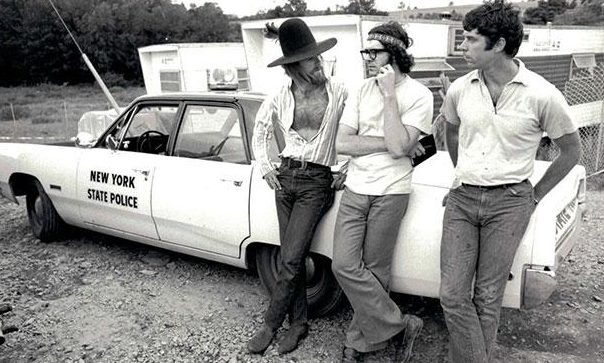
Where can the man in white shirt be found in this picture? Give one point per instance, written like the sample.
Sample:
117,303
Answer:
496,116
379,130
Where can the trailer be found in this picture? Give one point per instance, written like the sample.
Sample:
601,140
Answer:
193,67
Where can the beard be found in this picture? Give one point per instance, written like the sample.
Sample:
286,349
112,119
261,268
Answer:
317,77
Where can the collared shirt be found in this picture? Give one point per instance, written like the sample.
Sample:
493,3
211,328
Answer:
278,111
498,143
379,173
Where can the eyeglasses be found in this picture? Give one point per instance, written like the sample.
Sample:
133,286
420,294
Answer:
371,54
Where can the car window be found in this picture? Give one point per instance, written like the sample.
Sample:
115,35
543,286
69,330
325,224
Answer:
251,109
149,129
211,133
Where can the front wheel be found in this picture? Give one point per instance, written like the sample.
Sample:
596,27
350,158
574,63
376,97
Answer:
322,290
45,222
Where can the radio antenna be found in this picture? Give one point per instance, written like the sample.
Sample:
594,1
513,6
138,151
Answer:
88,63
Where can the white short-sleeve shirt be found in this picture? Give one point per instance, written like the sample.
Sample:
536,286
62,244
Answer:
497,144
379,173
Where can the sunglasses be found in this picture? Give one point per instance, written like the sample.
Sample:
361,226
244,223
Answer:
371,54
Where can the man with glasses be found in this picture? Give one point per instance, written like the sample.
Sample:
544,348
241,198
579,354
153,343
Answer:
379,129
496,116
304,112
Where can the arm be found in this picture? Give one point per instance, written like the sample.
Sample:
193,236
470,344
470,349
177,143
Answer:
570,152
349,143
263,131
399,139
451,138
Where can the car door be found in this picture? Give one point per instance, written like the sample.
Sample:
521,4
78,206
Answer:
114,186
201,193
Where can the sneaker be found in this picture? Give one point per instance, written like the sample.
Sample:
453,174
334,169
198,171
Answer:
261,340
405,339
292,337
350,355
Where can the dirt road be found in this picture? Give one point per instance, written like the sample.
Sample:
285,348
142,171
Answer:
93,298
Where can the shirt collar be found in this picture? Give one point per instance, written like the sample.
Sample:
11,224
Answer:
522,77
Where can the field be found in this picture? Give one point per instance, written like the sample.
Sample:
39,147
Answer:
48,113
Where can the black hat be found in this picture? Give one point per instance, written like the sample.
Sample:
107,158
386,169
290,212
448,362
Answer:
298,43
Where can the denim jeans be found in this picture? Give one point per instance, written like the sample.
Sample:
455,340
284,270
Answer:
482,229
305,196
364,238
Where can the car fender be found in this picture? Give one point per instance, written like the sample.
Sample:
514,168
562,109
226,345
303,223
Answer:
55,167
264,225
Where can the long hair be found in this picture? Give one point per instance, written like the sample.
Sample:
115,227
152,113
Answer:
403,60
302,77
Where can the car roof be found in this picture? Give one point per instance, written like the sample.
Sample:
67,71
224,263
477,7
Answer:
204,96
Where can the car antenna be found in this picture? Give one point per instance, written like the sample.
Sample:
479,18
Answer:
89,64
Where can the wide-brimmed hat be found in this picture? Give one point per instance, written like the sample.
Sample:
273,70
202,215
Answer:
298,43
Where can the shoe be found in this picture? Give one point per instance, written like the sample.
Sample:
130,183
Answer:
350,355
291,338
261,340
405,339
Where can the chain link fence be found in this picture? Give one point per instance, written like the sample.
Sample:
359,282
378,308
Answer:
584,92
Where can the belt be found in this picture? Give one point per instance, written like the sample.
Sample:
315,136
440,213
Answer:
297,164
498,186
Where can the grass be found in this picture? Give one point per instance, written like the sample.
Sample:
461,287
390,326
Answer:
51,111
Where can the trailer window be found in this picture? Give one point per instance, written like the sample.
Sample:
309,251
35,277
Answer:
170,81
582,65
244,79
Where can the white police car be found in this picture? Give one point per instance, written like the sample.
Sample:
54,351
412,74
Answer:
177,171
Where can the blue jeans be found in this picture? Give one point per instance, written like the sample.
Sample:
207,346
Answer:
482,229
364,238
304,198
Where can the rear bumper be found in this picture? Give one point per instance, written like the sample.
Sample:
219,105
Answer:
538,285
540,282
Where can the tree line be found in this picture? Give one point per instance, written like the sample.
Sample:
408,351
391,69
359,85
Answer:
35,47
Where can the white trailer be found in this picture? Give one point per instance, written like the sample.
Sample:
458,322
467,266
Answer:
193,67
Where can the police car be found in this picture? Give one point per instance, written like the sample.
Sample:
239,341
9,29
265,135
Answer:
177,171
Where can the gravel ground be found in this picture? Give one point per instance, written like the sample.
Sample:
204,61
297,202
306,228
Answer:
93,298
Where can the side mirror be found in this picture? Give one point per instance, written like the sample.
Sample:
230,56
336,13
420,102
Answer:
111,142
85,140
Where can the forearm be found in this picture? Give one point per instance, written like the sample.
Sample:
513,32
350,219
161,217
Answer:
570,152
355,145
396,137
260,142
451,139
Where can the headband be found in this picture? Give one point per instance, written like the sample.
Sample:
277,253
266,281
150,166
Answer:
387,39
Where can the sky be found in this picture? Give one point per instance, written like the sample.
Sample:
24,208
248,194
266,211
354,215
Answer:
250,7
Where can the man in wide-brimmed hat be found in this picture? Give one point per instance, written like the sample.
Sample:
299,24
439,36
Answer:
303,116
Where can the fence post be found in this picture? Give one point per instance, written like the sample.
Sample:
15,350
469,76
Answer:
65,118
600,137
12,111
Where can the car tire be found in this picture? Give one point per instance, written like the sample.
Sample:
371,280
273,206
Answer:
45,222
322,290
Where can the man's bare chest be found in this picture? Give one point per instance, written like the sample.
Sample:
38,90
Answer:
309,110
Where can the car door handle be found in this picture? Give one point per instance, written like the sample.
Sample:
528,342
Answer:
236,183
